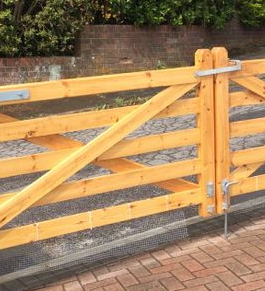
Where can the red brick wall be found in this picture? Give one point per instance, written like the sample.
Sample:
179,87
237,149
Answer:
112,49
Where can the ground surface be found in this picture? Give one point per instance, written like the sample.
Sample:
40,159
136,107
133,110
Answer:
203,263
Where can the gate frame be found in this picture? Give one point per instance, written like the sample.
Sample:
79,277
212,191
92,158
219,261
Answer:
179,81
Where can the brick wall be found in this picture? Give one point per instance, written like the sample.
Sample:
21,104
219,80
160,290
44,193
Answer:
112,49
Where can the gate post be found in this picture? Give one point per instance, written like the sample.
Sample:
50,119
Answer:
222,105
205,122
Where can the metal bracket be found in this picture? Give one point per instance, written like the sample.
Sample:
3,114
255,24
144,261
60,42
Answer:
210,189
236,67
14,95
210,208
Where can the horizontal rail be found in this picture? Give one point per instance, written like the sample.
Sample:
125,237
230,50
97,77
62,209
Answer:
248,156
112,182
69,88
253,84
25,129
97,218
44,161
123,165
244,98
247,127
249,68
252,184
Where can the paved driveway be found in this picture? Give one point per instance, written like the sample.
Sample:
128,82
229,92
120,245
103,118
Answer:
203,263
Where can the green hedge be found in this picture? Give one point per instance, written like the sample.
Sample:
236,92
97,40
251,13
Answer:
175,12
44,27
252,12
49,27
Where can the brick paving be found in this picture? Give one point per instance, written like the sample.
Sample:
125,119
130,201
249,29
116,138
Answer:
202,263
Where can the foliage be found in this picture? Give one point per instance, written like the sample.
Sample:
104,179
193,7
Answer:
43,27
49,27
175,12
214,13
251,12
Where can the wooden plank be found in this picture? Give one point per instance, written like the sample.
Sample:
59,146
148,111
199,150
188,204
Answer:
97,218
248,156
247,127
37,190
244,98
45,161
205,121
253,84
52,125
112,182
145,144
248,185
122,165
244,171
69,88
177,185
249,68
6,118
55,142
222,135
116,165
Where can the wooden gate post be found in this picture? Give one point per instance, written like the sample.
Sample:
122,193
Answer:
221,96
205,120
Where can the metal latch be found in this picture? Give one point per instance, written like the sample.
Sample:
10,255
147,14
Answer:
210,189
14,95
225,188
236,67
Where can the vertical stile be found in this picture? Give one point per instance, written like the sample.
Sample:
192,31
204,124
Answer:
221,97
205,121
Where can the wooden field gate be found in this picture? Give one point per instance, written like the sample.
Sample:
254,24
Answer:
206,96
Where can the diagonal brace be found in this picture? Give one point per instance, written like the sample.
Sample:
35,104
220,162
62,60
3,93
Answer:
68,167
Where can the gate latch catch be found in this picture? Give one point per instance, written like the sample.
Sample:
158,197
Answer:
226,184
225,188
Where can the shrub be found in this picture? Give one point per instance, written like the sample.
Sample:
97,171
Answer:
40,27
49,27
251,12
175,12
214,13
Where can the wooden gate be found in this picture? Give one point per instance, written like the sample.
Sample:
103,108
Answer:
237,171
215,166
65,157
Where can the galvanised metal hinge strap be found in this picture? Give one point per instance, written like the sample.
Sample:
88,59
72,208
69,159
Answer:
236,67
210,190
14,95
